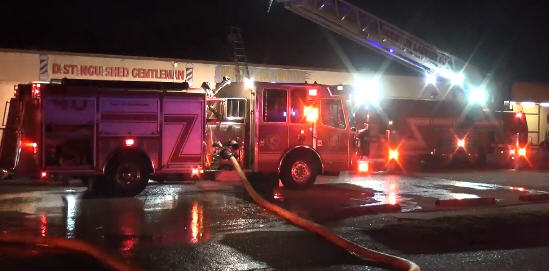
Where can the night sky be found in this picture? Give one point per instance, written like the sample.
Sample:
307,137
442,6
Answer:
507,37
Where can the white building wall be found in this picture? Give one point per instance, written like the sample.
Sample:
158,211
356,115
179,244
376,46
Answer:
27,66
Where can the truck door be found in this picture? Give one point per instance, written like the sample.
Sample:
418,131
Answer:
69,132
272,130
300,130
333,136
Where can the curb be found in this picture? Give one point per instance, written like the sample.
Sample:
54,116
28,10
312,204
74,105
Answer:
465,202
367,210
534,197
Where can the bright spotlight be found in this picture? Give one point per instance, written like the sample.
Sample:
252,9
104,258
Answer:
477,95
430,79
457,79
248,83
366,91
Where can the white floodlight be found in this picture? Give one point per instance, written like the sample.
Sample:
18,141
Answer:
248,83
528,104
430,79
477,95
457,79
366,90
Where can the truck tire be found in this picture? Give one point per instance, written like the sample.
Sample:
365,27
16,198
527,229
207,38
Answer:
127,175
299,171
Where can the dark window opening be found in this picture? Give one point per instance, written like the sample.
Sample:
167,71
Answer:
332,113
275,105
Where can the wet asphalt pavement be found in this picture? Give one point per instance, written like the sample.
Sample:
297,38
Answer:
213,225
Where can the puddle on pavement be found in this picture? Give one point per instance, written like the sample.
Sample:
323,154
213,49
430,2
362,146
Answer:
162,217
420,193
329,202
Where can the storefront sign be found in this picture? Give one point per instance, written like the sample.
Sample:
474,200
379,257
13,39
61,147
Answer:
78,67
264,74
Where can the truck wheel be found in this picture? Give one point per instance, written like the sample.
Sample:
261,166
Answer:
299,171
128,176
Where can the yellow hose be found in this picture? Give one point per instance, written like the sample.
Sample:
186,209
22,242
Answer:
69,244
388,260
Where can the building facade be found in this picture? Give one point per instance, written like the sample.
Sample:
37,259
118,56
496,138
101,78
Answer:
23,66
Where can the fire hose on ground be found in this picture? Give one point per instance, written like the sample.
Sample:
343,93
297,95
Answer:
71,245
384,259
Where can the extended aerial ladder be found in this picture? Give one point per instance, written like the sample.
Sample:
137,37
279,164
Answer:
375,33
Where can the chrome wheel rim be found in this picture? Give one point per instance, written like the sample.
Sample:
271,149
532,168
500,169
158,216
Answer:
301,171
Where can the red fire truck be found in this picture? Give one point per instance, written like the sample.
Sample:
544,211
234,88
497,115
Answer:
423,133
119,132
295,130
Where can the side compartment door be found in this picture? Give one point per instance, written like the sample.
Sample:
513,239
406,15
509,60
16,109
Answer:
333,136
69,132
130,116
182,133
272,130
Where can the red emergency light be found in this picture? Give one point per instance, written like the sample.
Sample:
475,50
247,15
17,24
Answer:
393,155
311,113
461,143
32,145
36,90
43,174
522,151
129,142
313,92
512,152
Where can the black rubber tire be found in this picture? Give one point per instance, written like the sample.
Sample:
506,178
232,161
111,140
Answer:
300,160
119,166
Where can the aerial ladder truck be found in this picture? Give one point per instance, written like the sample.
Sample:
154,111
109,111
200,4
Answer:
462,125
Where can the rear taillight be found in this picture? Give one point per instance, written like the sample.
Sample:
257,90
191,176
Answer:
363,166
196,172
129,142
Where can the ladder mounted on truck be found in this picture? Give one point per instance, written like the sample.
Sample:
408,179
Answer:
234,37
373,32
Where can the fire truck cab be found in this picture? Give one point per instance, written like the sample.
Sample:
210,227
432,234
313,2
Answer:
295,130
120,133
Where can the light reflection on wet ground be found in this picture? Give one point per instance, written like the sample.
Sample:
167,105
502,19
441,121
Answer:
209,221
164,215
420,193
